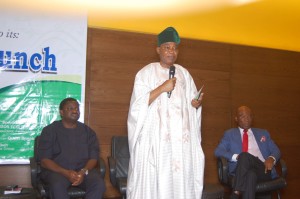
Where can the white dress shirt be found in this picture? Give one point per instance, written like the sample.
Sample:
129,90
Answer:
252,146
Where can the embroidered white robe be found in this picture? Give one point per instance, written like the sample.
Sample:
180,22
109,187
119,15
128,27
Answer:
166,157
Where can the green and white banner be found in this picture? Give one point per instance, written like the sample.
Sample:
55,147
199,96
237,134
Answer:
42,61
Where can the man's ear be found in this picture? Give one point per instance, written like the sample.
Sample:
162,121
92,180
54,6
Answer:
158,49
61,113
236,119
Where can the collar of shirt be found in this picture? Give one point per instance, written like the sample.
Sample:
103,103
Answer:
242,132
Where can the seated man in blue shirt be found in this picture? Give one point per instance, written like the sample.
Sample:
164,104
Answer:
251,154
69,152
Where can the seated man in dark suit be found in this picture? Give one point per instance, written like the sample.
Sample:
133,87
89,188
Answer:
251,154
69,153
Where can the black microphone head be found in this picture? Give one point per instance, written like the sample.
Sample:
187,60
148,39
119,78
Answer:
172,72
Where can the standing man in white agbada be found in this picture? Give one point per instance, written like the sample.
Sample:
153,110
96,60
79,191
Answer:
166,157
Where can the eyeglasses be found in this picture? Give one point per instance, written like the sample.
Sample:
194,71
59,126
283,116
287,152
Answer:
168,48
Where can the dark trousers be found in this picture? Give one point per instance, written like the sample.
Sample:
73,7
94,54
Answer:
249,171
93,184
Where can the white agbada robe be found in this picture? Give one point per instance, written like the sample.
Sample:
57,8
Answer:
166,157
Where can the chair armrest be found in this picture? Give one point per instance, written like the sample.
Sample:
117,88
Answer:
102,167
277,183
33,171
41,190
222,165
283,168
112,171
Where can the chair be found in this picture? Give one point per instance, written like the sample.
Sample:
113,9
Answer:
37,184
263,188
118,163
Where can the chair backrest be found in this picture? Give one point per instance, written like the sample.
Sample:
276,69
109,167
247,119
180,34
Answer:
120,151
35,149
37,170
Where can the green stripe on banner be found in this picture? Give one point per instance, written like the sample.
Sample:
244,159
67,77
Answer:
27,108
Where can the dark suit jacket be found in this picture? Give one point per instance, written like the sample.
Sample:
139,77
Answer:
231,144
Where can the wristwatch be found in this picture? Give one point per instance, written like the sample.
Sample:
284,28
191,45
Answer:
85,171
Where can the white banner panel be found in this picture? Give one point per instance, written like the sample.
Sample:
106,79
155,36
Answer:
42,61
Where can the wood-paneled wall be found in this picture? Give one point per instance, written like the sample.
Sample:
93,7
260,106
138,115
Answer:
267,80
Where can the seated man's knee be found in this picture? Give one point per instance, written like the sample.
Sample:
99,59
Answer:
59,185
243,156
57,182
252,174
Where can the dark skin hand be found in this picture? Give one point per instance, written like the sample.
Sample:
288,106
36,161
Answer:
197,103
269,163
75,177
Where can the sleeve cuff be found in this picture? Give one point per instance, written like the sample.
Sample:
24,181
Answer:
234,157
273,159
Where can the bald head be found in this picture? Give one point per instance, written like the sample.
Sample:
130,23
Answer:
244,117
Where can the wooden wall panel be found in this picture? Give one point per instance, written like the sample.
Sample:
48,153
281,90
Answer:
210,65
267,80
216,110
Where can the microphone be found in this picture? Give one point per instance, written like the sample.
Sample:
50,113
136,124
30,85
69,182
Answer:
171,75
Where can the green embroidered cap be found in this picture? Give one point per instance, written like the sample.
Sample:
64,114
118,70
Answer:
168,35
